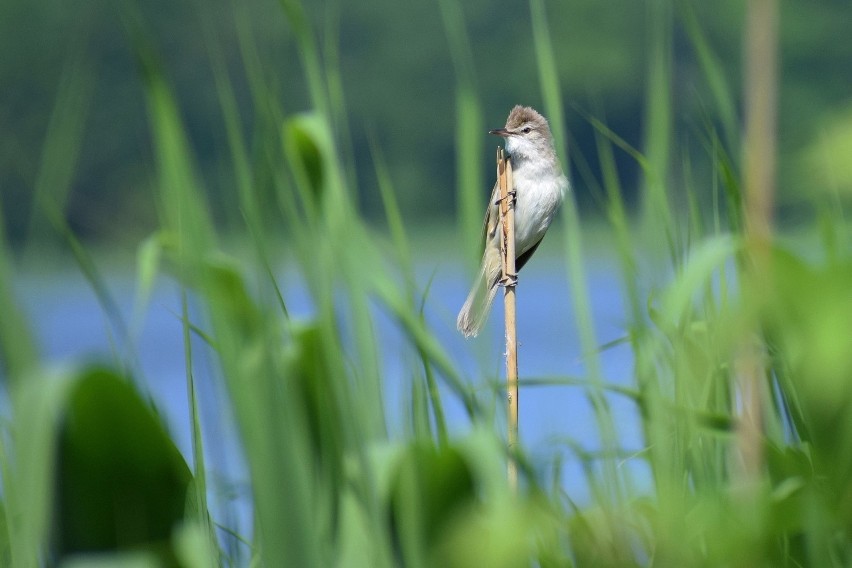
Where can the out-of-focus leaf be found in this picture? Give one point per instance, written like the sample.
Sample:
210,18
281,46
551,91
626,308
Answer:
117,560
17,345
192,546
809,320
227,291
309,369
5,545
827,162
507,535
121,482
791,470
811,312
303,148
431,487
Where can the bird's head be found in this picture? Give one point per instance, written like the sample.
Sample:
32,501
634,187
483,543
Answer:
527,133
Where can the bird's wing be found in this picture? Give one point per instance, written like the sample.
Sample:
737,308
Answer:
492,221
525,256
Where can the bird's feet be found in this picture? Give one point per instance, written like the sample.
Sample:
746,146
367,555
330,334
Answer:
508,281
511,196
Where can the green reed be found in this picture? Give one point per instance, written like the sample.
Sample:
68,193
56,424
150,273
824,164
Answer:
330,483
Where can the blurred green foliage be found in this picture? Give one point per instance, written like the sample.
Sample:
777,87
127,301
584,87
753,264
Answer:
188,100
92,473
121,482
396,88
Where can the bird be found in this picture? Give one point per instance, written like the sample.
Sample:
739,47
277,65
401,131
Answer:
539,189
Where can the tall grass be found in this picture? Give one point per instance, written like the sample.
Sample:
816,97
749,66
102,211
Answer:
330,485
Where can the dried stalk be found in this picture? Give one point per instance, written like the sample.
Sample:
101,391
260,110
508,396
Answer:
509,280
759,176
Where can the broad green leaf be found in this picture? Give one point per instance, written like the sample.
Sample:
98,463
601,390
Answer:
121,482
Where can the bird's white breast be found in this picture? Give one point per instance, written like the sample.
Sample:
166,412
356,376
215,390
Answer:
539,192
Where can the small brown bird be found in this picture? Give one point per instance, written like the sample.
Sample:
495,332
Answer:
539,186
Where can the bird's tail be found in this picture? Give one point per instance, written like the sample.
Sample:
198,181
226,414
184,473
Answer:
474,312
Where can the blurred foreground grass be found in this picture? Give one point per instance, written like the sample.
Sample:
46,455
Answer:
328,485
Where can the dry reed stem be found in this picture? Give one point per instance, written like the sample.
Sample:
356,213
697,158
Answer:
761,82
507,216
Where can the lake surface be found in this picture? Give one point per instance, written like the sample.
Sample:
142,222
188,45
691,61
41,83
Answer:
72,328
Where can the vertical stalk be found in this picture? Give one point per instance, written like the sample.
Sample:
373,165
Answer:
759,177
507,249
761,67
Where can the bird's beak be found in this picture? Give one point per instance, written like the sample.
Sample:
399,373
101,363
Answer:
499,132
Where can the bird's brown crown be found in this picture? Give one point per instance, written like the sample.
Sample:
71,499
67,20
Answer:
521,115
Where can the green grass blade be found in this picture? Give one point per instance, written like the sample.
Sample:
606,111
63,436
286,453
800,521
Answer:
470,128
612,485
62,146
18,351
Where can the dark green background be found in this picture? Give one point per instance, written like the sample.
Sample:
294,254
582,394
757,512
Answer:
399,84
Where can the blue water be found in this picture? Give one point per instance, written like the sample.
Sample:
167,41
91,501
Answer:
72,328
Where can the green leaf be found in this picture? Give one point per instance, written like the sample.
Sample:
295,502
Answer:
121,482
303,147
826,160
432,486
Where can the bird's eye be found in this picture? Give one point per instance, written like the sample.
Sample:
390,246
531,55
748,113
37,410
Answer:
527,130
